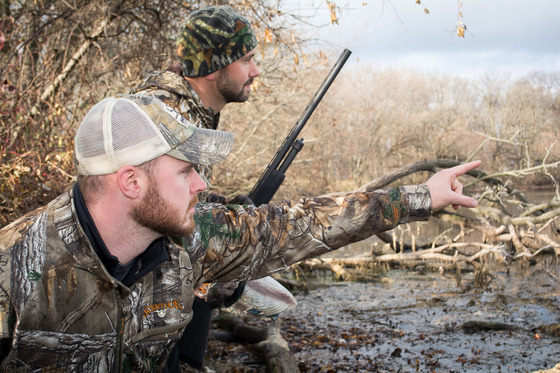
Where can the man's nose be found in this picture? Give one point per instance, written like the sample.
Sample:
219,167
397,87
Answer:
198,185
254,72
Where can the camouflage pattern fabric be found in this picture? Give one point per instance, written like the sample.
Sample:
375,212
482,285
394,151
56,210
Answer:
212,38
63,312
176,92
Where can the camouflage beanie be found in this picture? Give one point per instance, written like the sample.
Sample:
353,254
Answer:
212,38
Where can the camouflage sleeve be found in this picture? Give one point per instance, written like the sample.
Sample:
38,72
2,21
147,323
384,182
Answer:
22,249
247,242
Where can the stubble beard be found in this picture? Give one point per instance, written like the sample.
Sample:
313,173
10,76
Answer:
156,214
230,91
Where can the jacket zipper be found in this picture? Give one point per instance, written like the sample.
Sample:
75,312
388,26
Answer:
119,344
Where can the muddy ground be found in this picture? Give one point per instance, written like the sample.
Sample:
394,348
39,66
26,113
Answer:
418,321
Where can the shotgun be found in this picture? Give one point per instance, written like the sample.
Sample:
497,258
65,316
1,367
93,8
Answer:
274,174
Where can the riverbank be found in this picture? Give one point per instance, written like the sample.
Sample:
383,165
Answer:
414,321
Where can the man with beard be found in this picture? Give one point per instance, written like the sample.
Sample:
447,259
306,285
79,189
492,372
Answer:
92,282
84,277
215,47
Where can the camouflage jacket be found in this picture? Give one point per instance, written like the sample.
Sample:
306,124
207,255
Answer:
176,92
61,309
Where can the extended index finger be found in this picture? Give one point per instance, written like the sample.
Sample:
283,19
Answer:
464,168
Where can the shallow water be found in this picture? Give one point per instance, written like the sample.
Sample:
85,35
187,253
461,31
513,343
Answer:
411,322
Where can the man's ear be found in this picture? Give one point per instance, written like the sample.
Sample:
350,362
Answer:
131,181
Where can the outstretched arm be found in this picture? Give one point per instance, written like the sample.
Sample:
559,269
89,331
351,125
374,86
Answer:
445,188
245,242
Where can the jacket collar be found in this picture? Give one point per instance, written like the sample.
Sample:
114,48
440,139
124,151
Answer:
171,82
128,274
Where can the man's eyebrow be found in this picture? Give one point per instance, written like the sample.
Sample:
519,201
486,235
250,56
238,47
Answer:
248,56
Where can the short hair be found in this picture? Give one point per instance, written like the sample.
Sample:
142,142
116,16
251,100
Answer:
92,186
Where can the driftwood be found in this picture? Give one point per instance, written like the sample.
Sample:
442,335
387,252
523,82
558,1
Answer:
471,327
551,330
500,235
476,326
531,232
274,349
556,369
504,236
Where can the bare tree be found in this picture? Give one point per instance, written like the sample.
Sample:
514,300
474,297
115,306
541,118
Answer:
61,57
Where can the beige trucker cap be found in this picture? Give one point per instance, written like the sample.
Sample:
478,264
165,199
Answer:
134,129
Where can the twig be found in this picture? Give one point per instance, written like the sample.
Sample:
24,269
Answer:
70,65
535,220
54,165
257,125
515,173
490,138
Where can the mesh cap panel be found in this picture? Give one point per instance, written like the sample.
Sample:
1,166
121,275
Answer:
134,129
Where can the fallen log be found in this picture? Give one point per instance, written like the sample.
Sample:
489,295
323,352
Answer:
342,269
471,327
239,331
276,351
273,348
552,330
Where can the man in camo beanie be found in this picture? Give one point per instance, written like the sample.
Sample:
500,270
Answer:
212,38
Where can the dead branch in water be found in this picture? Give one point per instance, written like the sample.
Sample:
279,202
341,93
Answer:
529,231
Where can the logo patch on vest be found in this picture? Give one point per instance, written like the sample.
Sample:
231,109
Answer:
162,308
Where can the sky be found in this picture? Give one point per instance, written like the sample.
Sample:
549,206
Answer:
508,37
